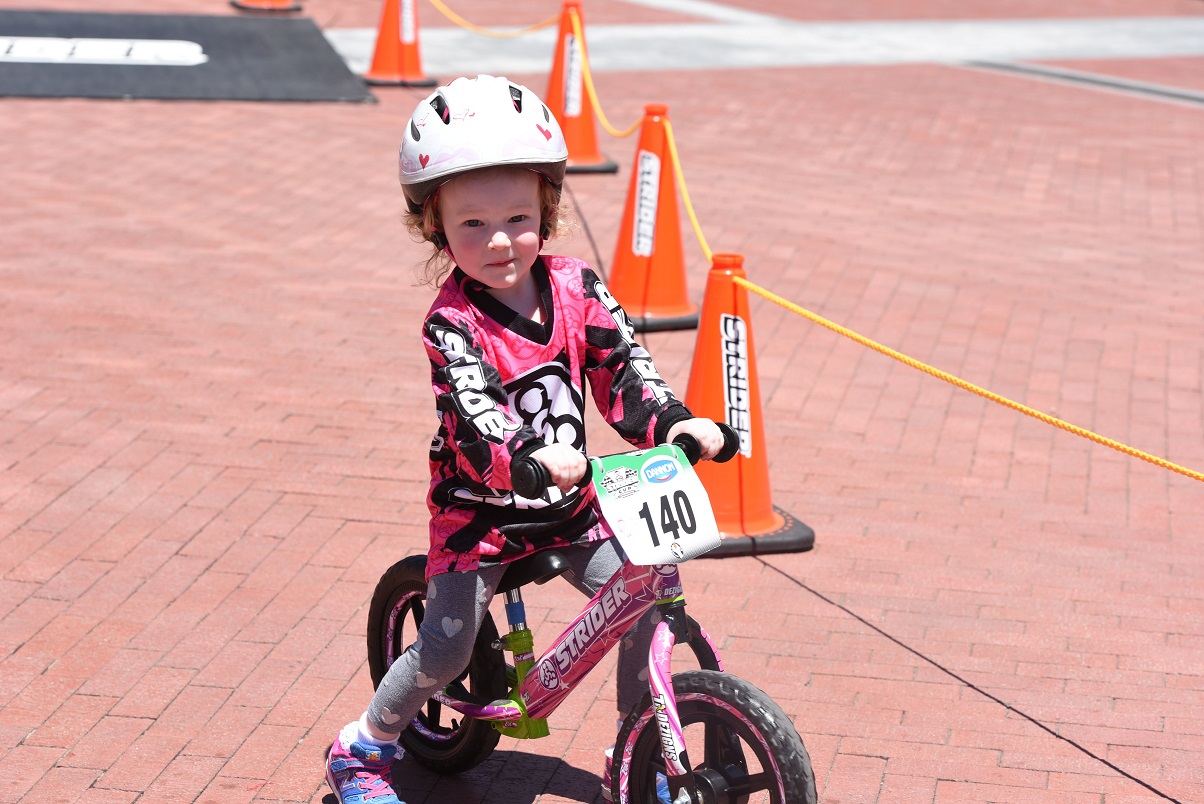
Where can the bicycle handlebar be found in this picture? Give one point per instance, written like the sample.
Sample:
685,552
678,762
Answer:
530,477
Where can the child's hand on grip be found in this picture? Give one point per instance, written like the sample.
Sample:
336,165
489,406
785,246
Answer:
710,439
565,464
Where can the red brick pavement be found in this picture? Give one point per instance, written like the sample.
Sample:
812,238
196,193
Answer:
211,444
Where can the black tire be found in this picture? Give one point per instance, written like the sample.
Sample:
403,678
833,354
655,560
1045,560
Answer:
438,738
740,744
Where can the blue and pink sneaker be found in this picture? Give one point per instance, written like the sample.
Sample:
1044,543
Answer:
360,772
662,784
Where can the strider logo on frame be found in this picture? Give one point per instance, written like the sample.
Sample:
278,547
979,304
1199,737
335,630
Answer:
735,379
648,178
548,675
596,618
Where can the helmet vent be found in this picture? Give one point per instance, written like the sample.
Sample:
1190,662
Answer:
414,132
547,116
439,104
516,95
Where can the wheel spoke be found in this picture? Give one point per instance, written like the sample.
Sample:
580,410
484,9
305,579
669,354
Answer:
741,786
722,745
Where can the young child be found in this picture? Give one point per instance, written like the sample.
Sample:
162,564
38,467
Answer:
512,338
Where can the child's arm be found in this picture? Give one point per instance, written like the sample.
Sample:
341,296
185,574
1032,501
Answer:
627,388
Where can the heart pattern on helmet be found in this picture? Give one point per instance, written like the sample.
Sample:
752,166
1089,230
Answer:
424,158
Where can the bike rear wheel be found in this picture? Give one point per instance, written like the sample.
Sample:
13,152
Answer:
742,747
438,737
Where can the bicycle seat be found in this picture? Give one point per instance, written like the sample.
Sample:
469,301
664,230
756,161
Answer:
539,567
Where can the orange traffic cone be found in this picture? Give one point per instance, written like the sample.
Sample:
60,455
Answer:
723,386
266,5
649,274
396,60
566,97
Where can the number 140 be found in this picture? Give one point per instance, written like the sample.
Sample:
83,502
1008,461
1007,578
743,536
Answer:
670,524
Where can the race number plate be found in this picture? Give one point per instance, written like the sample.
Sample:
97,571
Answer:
656,505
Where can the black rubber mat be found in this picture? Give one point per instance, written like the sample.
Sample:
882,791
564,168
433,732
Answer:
67,55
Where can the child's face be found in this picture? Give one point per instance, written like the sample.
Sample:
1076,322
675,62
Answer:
491,219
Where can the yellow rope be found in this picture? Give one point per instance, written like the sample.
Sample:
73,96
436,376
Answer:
685,194
818,319
960,383
463,23
579,39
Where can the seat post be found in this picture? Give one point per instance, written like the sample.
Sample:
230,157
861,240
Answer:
516,612
521,642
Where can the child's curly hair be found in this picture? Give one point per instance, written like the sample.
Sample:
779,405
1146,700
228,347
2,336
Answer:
427,226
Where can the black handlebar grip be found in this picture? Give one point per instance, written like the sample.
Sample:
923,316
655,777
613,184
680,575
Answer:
731,444
690,446
529,477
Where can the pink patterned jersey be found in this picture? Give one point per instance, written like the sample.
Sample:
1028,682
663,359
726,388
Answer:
506,386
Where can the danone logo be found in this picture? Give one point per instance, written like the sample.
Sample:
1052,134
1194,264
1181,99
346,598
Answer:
660,470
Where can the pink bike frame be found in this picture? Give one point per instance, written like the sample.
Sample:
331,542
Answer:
602,623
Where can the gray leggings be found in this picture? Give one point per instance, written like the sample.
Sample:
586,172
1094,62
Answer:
456,605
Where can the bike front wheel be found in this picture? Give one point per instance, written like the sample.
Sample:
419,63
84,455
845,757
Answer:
742,747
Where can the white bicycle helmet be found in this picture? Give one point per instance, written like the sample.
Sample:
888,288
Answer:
474,123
